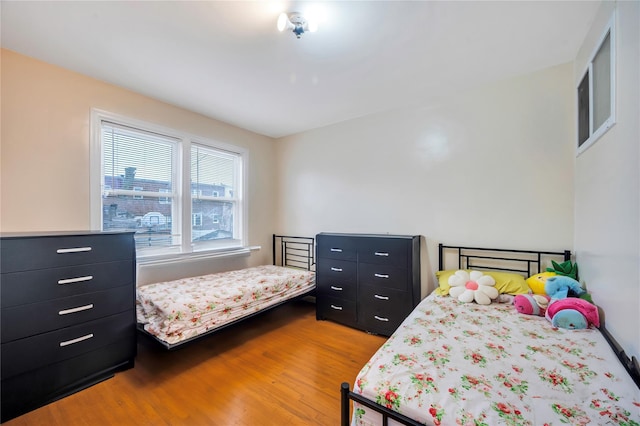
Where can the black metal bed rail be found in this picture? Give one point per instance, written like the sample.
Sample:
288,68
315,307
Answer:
296,252
346,395
475,257
630,364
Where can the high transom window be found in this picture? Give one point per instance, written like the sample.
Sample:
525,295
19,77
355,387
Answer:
596,92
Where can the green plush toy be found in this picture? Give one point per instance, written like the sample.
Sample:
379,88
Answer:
566,268
586,296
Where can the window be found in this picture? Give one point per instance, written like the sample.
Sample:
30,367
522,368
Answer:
596,92
163,200
106,190
138,197
147,179
212,172
196,219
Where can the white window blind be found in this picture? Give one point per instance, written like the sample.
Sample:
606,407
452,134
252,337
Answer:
214,183
139,184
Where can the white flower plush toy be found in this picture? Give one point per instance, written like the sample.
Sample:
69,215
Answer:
474,285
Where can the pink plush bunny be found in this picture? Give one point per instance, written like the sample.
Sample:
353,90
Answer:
531,304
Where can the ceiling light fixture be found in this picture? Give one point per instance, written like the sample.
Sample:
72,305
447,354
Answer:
297,23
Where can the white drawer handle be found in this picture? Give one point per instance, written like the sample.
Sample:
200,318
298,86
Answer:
336,269
74,310
73,250
79,339
75,280
381,275
336,288
381,253
377,296
337,308
337,250
380,318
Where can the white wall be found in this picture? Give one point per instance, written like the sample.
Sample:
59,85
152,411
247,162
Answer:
492,167
45,155
607,187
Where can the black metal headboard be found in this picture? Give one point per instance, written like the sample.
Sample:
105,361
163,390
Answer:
526,262
294,252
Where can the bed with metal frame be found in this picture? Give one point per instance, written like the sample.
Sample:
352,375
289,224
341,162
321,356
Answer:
288,252
526,263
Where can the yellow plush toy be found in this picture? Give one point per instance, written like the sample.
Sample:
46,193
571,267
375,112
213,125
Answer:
536,282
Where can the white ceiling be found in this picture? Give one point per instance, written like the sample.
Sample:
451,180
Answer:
227,60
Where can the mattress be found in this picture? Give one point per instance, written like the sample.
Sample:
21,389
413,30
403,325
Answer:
453,363
178,310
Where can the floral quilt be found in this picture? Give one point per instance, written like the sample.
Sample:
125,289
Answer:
454,363
177,310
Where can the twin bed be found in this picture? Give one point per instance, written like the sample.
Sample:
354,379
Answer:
177,312
454,363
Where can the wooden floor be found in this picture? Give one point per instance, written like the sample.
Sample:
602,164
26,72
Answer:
280,368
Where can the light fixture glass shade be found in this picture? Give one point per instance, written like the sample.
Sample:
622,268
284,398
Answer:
296,22
283,20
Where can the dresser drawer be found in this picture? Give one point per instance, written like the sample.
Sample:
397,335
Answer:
38,351
336,247
336,309
331,271
345,290
22,254
19,322
35,388
384,299
383,276
385,251
380,322
382,310
20,288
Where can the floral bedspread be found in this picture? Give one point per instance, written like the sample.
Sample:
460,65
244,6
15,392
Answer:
177,310
451,363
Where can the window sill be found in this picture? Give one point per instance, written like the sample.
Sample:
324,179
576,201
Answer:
201,255
595,137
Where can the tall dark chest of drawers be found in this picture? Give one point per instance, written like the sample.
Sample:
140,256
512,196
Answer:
67,314
370,282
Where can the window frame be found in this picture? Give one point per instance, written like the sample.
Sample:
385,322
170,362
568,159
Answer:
595,134
182,197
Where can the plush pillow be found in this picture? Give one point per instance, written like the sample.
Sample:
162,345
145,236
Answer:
473,286
536,282
506,282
